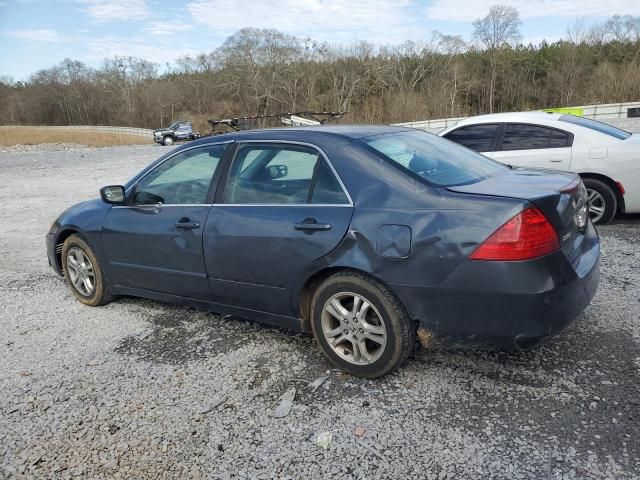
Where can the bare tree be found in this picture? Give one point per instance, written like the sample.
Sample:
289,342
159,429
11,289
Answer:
258,71
497,30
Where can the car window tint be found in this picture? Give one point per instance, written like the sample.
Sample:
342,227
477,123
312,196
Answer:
183,179
525,137
439,162
476,137
271,175
326,188
559,139
597,126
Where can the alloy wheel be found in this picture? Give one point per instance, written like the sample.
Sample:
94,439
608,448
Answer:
597,205
353,328
81,272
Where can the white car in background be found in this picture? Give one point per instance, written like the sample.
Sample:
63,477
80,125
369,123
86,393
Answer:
607,158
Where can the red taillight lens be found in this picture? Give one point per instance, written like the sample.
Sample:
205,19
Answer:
527,235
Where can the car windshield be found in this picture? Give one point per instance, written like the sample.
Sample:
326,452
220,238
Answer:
439,161
175,125
597,126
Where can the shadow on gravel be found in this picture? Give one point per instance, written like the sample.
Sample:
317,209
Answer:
581,391
180,334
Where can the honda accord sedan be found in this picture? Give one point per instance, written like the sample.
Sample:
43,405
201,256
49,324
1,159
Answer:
369,237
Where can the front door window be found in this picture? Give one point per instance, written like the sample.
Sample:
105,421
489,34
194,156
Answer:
184,179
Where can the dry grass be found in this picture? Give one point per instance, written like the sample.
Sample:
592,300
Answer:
10,136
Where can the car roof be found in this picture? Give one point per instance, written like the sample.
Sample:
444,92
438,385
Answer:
523,117
307,132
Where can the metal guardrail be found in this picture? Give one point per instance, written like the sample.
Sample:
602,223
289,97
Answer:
607,111
139,132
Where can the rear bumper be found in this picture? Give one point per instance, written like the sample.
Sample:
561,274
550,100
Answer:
507,304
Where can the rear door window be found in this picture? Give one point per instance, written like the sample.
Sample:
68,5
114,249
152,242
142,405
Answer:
559,139
480,138
526,137
282,174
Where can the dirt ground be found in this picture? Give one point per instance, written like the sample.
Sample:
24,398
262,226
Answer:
140,389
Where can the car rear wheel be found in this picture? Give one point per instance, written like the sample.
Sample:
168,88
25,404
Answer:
602,201
360,325
83,273
167,140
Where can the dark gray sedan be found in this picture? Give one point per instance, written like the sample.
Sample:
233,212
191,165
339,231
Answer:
369,237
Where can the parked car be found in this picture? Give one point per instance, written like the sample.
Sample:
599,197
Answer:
359,234
607,158
175,132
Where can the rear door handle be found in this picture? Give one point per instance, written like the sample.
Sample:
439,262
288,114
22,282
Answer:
187,224
311,224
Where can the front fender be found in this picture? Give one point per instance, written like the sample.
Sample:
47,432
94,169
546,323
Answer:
86,219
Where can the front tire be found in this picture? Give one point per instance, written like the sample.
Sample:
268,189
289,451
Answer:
167,140
360,326
83,273
603,204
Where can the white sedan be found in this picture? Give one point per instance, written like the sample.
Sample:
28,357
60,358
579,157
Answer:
607,158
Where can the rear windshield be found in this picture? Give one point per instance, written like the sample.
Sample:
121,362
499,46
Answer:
439,161
597,126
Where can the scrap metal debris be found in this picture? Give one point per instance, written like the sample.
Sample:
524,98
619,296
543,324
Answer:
286,403
324,439
317,383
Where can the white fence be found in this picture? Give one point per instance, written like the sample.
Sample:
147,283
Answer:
603,112
139,132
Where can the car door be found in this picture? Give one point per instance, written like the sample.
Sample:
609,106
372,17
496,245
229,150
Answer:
526,145
282,208
155,241
183,131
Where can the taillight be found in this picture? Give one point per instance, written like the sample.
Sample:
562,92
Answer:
527,235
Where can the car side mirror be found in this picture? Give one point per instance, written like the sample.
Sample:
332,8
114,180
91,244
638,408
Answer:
113,194
278,171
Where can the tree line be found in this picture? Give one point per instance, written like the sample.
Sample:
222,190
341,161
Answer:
257,71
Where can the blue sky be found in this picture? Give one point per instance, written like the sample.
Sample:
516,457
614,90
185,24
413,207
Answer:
39,33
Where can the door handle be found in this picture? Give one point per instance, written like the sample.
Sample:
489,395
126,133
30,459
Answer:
312,225
187,224
555,160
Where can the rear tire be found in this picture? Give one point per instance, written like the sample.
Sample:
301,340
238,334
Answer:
83,273
167,140
360,325
603,203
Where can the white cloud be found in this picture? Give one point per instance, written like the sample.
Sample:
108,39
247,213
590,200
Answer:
100,48
108,10
41,35
168,27
330,20
459,11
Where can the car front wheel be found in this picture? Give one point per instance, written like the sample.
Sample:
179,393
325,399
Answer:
602,201
360,325
168,140
83,273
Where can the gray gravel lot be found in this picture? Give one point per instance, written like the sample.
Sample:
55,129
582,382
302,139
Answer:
139,389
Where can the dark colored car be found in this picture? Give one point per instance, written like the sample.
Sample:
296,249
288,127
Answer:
175,132
362,235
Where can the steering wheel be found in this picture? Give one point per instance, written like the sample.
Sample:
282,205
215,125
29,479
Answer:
191,191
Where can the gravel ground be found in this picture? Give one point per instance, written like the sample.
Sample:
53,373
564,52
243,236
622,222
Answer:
140,389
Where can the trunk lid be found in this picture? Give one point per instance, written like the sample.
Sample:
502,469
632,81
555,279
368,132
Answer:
546,189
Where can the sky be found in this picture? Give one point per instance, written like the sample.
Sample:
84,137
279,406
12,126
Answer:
37,34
